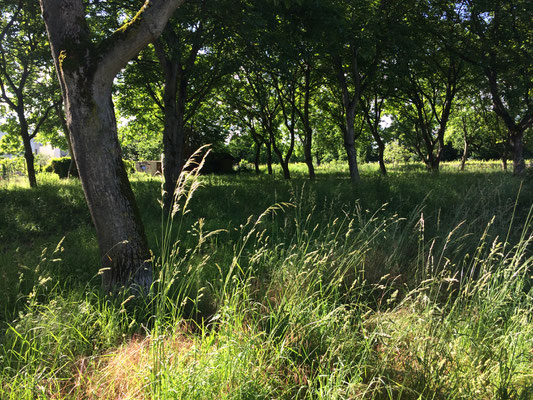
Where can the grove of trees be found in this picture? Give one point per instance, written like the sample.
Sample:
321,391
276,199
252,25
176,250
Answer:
273,81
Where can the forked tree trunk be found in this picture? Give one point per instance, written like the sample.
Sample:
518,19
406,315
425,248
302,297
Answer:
286,171
432,160
350,105
282,161
123,247
86,72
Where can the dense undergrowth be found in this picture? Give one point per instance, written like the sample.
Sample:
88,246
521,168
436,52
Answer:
413,286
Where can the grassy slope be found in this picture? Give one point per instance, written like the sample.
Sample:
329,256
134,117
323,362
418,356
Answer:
300,309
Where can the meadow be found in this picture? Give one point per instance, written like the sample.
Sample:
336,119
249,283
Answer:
410,286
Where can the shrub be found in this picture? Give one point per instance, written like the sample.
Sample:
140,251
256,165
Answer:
396,153
60,166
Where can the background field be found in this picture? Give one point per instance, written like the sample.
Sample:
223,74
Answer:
412,286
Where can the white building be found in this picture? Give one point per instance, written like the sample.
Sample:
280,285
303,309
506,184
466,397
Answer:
45,150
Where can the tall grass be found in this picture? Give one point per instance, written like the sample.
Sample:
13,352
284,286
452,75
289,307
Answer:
302,301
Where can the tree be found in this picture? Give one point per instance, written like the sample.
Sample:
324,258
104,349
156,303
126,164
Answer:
240,111
190,75
427,81
425,99
497,38
363,28
298,46
26,85
261,86
475,128
86,66
190,58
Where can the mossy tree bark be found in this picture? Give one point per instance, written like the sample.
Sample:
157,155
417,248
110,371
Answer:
86,71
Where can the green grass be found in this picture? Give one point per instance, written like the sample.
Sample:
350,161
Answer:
413,286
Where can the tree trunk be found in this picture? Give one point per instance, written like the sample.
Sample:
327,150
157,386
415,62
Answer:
519,165
308,155
286,171
174,102
318,159
258,143
434,165
516,129
174,132
86,72
123,246
465,154
269,157
257,155
381,157
28,152
349,145
432,161
284,165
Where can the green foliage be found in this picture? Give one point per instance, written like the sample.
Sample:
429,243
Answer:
12,166
396,153
129,165
10,143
